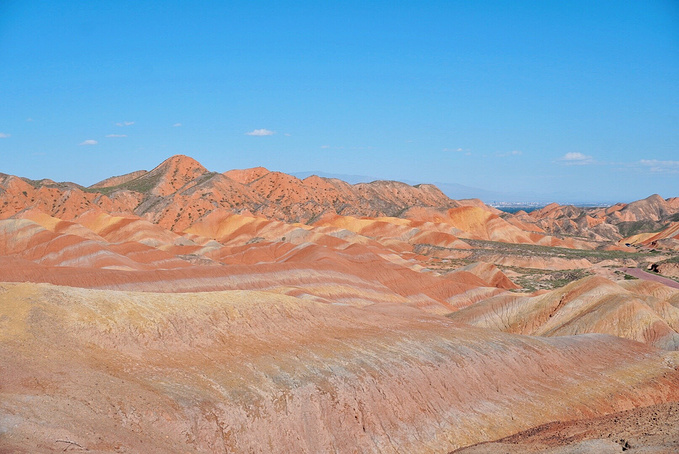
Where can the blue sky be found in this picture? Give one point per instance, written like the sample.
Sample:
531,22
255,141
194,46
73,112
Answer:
573,100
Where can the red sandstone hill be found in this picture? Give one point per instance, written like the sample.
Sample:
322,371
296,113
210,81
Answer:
184,310
640,310
612,223
180,192
183,183
180,214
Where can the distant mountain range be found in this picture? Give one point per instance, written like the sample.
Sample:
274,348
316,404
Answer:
460,191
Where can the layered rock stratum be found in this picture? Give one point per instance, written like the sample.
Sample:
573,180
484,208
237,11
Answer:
183,310
249,371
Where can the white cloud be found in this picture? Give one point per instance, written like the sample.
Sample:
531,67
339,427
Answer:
510,153
657,166
4,135
576,159
125,123
287,134
260,132
176,125
89,142
116,135
333,147
29,119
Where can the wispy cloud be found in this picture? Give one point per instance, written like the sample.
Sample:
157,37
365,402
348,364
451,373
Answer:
4,135
176,125
125,123
466,151
29,119
331,147
116,135
260,132
510,153
657,166
89,142
576,159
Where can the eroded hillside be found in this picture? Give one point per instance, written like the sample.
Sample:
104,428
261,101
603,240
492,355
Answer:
186,310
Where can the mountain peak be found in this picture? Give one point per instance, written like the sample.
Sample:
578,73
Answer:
656,198
173,173
180,161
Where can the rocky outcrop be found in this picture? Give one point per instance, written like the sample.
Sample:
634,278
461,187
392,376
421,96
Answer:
670,269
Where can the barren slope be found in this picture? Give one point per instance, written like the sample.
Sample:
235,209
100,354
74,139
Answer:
260,372
653,429
644,311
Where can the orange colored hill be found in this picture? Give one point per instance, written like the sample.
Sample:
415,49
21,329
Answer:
250,371
644,311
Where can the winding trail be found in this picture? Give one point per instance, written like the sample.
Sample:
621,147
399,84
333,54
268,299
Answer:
641,274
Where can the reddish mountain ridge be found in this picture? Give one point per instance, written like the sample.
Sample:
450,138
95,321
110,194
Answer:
180,192
183,223
183,183
180,214
604,224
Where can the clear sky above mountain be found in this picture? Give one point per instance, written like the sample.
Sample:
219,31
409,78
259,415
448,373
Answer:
578,98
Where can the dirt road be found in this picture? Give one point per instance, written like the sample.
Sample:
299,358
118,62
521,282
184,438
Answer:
641,274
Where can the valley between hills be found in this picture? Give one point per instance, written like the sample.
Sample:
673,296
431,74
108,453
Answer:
182,310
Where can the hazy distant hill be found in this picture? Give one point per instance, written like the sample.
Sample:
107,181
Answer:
460,191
